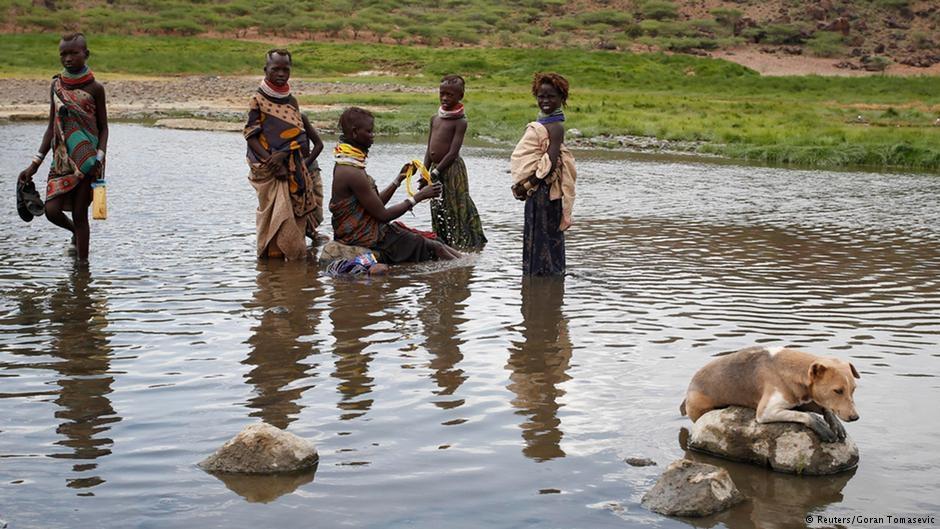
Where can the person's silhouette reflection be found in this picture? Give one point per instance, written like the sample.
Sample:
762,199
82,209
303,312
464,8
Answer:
441,314
80,340
284,297
356,315
539,364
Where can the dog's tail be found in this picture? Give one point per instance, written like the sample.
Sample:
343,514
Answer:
682,407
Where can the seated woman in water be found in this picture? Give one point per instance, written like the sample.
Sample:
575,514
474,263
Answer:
543,175
283,167
360,215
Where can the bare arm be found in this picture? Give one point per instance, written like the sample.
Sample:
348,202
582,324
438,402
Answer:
315,138
389,191
27,174
427,150
101,116
360,186
556,136
456,143
372,201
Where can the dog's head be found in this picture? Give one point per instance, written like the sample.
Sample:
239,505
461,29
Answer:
832,384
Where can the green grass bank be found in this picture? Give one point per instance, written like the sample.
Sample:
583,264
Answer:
878,121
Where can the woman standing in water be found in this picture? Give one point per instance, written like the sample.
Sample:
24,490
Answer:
77,135
544,176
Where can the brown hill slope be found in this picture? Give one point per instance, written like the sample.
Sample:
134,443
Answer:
856,35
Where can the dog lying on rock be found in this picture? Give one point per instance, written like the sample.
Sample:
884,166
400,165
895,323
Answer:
782,385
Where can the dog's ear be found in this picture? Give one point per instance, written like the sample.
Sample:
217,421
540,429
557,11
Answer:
816,370
854,371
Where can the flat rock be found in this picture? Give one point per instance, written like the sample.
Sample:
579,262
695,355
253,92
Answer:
334,250
262,449
691,489
733,433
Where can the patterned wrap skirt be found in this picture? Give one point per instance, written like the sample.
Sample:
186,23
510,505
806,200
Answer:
454,217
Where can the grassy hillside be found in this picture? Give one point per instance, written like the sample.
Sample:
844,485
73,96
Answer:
896,30
875,121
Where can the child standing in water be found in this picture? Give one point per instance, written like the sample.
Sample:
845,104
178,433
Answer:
283,167
77,134
454,217
544,176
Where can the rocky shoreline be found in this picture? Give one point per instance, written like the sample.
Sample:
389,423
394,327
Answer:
214,103
198,102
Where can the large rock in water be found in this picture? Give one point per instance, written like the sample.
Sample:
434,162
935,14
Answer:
336,250
262,449
692,489
734,433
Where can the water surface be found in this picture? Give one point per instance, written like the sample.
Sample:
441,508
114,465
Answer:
452,395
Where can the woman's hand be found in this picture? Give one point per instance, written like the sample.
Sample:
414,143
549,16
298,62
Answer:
275,164
431,191
276,158
403,174
565,223
311,162
27,174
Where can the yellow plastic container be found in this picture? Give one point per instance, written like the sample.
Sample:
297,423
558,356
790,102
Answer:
99,200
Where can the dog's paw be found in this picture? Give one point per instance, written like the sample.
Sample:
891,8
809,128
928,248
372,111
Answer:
818,425
838,429
835,425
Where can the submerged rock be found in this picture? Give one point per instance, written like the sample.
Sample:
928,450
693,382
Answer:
692,489
262,449
734,433
639,462
336,250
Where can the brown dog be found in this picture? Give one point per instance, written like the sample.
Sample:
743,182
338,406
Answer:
782,384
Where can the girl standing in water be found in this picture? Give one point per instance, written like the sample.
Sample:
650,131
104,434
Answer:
544,174
77,135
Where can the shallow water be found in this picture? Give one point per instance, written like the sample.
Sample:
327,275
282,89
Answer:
452,395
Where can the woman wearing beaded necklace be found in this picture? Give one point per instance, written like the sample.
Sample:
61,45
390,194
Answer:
78,137
543,174
284,170
361,214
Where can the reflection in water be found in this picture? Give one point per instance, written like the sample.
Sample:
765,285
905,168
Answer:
78,325
441,312
539,364
265,488
356,310
285,295
775,500
674,261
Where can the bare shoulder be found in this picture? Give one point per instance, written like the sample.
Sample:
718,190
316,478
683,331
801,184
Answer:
349,175
346,171
556,131
95,88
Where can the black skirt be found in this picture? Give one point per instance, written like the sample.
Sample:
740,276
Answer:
543,244
402,246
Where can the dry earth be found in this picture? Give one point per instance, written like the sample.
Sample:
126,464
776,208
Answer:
165,100
779,64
